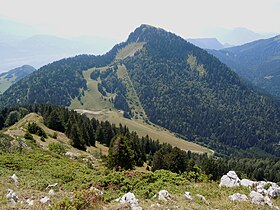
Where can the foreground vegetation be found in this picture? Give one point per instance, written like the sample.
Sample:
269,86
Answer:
38,168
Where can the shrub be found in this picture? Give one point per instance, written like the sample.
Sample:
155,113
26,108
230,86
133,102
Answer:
56,148
28,136
35,129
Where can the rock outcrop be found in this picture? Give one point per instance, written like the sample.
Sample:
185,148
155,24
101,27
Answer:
247,183
230,180
273,191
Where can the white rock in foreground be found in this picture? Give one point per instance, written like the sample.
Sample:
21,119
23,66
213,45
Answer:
14,178
238,197
230,180
12,196
201,197
130,199
51,185
247,183
30,202
164,195
188,196
51,192
44,199
273,191
259,199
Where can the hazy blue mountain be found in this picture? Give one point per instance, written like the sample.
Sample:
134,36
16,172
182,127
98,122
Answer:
14,75
39,50
207,43
237,36
258,62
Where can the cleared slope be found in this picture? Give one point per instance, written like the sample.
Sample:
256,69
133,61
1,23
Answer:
94,105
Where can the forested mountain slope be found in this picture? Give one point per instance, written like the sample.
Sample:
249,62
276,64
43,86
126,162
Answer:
175,85
258,62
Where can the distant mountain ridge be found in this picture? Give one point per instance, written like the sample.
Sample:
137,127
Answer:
40,50
207,43
258,62
160,77
14,75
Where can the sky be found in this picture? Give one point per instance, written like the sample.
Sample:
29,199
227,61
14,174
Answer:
115,19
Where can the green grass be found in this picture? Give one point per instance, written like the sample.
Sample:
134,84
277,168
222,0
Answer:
132,97
92,99
154,131
129,50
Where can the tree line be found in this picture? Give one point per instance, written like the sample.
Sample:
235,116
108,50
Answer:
127,149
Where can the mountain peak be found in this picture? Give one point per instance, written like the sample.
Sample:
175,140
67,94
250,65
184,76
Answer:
143,33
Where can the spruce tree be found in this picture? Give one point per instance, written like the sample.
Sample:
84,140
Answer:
120,154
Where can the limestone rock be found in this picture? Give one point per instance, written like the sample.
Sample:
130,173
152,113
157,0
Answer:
257,198
51,192
230,180
130,198
247,183
14,178
30,202
12,196
238,197
273,191
164,195
44,199
188,196
201,197
51,185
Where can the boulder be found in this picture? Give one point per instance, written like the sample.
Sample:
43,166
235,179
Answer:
257,198
273,191
30,202
12,196
261,188
129,198
201,197
238,197
51,192
44,199
164,195
51,185
14,178
230,180
188,196
247,183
